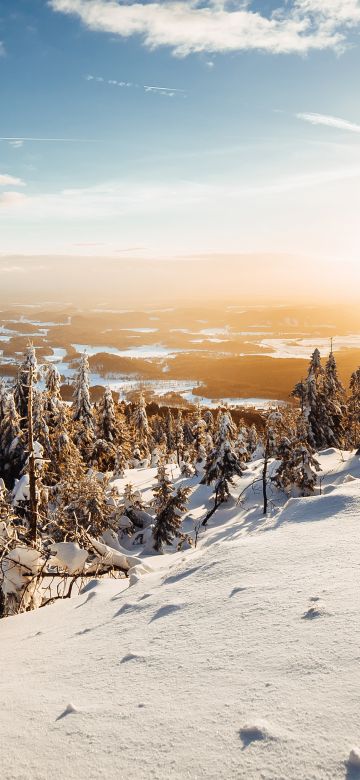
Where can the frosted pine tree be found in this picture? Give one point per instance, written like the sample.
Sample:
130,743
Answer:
163,488
141,424
41,429
170,436
298,466
241,444
199,435
168,521
52,401
12,456
4,397
222,463
107,425
333,405
252,440
28,371
354,410
82,409
309,392
179,437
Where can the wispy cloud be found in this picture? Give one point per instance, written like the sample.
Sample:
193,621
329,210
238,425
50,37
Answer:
165,91
10,181
2,49
329,121
122,198
18,141
190,26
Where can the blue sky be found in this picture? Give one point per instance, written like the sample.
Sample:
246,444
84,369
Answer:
179,128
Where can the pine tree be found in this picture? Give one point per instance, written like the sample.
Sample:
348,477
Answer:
242,443
28,369
354,410
52,397
170,437
12,456
82,409
41,429
168,521
298,466
179,437
199,433
107,427
252,440
222,462
163,489
141,424
333,404
311,400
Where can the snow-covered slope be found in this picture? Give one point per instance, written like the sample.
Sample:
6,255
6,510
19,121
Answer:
240,659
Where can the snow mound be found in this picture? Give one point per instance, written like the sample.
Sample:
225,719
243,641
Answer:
354,759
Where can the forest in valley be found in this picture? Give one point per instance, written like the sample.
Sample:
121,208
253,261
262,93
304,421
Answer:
70,510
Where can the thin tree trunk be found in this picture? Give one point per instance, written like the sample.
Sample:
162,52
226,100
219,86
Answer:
264,479
33,502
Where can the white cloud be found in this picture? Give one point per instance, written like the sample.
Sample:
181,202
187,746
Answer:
2,49
10,181
329,121
188,26
12,199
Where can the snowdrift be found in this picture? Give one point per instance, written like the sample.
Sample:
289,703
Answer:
237,659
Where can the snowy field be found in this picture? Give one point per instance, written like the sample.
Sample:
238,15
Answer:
237,659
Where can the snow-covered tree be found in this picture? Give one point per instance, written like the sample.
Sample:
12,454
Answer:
298,466
163,489
12,455
354,410
28,372
169,430
41,429
107,425
199,435
179,437
252,439
168,522
241,444
141,424
333,404
222,462
309,394
82,409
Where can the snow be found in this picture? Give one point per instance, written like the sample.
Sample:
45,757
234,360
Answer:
201,664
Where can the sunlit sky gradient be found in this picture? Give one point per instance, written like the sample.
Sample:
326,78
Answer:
167,129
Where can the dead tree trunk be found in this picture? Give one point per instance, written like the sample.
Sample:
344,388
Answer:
33,500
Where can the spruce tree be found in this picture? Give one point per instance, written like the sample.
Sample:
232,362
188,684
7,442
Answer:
28,371
222,462
168,521
107,425
141,424
179,437
354,410
163,488
298,466
82,409
333,404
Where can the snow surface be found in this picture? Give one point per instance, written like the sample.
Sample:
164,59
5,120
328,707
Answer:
208,666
